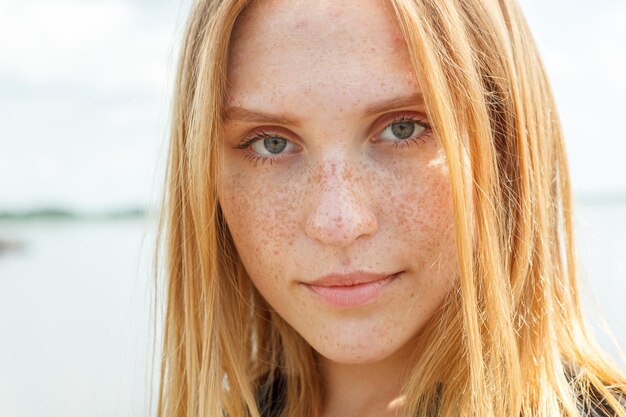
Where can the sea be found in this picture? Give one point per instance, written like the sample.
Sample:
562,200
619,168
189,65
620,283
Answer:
77,322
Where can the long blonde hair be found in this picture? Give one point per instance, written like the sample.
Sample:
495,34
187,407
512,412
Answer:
510,340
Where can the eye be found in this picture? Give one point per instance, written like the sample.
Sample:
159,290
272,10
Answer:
269,145
404,130
263,147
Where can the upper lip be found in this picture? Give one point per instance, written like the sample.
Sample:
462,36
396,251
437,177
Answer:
353,278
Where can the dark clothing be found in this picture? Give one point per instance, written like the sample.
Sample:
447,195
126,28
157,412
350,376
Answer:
595,405
271,400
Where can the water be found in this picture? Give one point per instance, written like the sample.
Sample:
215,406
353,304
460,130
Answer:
601,245
75,319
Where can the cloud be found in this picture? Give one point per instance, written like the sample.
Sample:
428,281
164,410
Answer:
607,49
86,88
98,45
582,49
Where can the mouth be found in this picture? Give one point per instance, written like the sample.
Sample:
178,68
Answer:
350,291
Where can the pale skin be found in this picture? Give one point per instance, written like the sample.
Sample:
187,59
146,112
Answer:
355,180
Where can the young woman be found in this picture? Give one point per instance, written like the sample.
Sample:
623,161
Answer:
368,213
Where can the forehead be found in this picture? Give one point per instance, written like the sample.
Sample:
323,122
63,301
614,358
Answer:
348,52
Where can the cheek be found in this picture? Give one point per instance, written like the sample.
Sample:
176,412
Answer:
421,211
422,203
261,219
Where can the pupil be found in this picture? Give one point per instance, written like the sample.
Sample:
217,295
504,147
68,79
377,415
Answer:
403,130
275,145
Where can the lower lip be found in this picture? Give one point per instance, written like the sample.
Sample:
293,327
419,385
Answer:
352,295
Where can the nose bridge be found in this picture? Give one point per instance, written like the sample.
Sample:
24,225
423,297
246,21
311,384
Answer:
342,208
340,176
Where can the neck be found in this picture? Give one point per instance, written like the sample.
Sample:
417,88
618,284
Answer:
365,390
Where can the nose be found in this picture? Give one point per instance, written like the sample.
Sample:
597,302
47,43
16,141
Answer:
341,212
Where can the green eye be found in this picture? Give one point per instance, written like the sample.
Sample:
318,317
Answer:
266,147
403,129
274,145
266,144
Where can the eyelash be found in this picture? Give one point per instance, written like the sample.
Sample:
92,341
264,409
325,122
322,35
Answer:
255,158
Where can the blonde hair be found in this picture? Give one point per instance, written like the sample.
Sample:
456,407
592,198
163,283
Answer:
510,340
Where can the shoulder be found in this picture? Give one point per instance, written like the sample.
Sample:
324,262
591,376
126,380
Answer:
271,393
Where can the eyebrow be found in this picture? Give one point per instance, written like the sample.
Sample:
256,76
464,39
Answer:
236,113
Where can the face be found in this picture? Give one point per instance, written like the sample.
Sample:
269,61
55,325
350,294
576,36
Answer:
331,168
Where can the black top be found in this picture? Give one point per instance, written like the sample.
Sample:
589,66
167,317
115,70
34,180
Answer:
271,400
596,404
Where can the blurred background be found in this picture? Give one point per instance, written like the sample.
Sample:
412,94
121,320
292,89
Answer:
84,104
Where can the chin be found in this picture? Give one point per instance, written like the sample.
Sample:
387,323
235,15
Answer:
354,358
354,354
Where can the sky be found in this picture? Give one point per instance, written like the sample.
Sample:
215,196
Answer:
85,92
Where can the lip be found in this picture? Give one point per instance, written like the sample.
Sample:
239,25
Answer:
350,290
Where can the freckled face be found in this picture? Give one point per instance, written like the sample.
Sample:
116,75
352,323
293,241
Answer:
351,182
